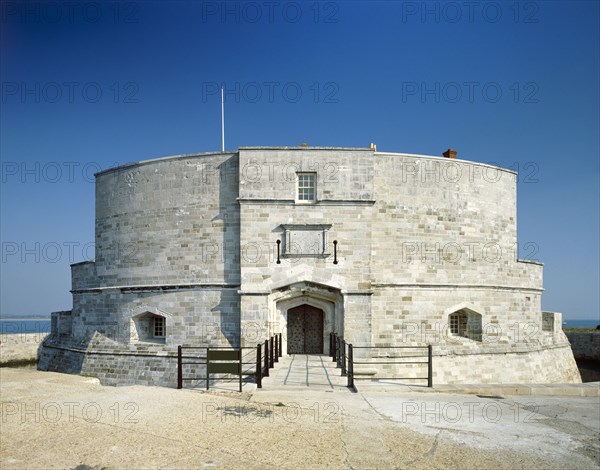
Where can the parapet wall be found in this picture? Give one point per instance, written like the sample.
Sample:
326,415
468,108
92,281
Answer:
546,365
585,344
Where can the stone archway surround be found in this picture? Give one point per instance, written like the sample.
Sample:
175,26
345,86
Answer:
326,299
135,314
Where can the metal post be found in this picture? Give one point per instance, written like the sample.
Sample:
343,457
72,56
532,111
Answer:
338,351
280,347
179,368
276,355
429,366
271,353
344,357
266,358
240,367
258,366
207,374
222,119
350,366
333,341
332,347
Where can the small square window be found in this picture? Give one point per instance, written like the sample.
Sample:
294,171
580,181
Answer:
307,187
159,327
466,324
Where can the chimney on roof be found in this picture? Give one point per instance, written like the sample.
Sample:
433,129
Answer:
450,153
373,147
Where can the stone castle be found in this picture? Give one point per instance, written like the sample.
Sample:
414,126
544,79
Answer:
384,249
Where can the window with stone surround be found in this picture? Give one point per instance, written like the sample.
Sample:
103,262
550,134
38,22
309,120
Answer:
307,187
465,323
148,327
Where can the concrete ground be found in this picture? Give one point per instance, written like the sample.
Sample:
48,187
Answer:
303,417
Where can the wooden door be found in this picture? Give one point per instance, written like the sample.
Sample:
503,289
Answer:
305,330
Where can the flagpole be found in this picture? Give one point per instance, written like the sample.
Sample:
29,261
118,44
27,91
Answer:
222,120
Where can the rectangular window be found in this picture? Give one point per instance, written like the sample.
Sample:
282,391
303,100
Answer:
467,325
457,324
307,187
159,327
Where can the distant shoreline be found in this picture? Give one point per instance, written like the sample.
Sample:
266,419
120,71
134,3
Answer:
24,318
28,325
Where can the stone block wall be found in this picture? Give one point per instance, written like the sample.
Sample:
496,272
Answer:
118,364
267,198
446,222
83,276
270,173
195,315
529,365
413,316
585,344
535,365
167,242
163,222
193,240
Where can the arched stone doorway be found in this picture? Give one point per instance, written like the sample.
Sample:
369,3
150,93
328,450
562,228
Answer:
305,330
327,299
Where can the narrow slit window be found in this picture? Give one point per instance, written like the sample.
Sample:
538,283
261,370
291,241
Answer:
307,187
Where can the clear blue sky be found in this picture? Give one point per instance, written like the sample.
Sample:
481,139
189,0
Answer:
87,86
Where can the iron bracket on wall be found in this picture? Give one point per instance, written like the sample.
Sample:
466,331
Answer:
335,261
278,251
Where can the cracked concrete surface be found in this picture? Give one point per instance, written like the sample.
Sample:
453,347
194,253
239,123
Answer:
52,420
506,425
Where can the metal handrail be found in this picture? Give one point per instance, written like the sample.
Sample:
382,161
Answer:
265,360
346,361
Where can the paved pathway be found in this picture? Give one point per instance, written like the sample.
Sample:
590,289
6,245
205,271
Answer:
300,371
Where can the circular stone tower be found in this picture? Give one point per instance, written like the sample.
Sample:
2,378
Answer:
384,249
